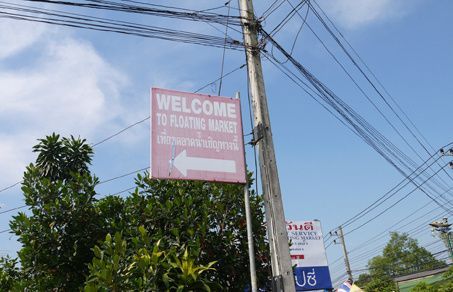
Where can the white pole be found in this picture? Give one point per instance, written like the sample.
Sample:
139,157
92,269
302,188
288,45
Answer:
248,218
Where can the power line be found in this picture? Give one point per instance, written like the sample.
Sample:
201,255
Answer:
225,75
288,17
121,131
10,186
21,207
369,99
412,233
384,233
404,197
388,194
223,53
100,183
381,95
12,209
33,14
352,129
271,9
150,9
366,131
304,20
179,8
372,73
123,175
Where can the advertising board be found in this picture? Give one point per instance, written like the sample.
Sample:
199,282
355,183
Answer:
308,255
196,137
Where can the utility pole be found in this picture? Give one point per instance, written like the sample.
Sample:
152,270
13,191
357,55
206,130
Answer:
262,135
443,229
340,235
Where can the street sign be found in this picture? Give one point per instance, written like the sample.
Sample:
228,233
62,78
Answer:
196,137
308,255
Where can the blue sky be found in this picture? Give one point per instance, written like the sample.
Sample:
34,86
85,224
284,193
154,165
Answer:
92,84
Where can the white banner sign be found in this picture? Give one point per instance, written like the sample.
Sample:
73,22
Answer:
309,255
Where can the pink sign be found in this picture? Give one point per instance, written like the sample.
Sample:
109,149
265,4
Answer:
196,137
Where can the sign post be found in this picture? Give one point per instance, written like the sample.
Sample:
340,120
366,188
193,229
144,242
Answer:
200,137
308,255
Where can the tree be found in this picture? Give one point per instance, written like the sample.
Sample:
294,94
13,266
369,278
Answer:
63,227
144,266
171,235
402,255
10,275
206,218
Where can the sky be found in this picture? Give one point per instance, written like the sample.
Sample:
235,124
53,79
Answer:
93,84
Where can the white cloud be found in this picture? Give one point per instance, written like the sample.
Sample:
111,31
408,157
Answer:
15,36
69,88
354,14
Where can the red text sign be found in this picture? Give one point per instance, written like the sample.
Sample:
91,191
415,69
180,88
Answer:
196,137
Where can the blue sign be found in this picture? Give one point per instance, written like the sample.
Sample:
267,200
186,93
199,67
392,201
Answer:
312,278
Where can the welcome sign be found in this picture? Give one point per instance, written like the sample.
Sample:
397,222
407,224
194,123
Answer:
196,137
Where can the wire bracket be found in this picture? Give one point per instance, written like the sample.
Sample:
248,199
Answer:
258,134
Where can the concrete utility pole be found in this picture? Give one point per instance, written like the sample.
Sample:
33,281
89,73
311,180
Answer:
262,136
345,252
443,229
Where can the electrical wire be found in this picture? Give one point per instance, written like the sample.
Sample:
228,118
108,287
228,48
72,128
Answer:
414,232
287,18
294,80
369,99
397,202
372,73
169,12
223,54
367,132
271,9
375,87
33,14
391,193
12,209
10,186
384,233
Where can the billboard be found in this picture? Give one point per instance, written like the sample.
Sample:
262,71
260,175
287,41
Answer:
196,137
308,255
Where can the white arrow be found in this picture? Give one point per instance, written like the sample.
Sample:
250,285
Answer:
183,163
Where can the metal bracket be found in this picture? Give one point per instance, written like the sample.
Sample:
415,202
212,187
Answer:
258,134
277,283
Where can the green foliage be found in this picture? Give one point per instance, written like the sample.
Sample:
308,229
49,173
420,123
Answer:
10,275
192,235
447,283
363,280
63,226
379,283
58,158
449,273
141,266
423,287
208,218
402,255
